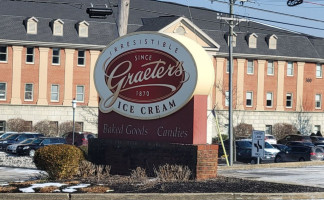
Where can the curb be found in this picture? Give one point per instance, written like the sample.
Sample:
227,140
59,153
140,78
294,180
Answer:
272,165
159,196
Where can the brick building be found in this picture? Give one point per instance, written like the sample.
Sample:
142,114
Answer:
48,52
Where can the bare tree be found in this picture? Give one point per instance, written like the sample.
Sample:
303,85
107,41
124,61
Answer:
280,130
302,122
243,130
47,128
92,115
67,126
17,125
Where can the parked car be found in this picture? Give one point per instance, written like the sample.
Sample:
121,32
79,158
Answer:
13,147
6,134
300,153
280,147
17,137
317,139
29,149
244,151
80,138
299,143
289,138
270,139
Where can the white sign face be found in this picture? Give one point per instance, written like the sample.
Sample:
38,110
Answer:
145,76
258,144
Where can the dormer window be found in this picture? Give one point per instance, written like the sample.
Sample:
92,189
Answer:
233,40
272,41
31,25
57,27
83,29
252,40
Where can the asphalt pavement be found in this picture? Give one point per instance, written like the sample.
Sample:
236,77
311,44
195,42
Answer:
299,173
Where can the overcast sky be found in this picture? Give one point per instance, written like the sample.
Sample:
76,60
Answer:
308,14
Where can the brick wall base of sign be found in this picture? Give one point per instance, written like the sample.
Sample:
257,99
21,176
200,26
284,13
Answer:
125,156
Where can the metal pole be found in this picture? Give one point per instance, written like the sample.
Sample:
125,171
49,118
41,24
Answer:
230,111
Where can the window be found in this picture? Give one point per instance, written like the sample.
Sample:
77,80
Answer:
3,53
3,91
227,66
252,40
250,67
56,56
55,93
290,69
83,29
79,126
32,25
318,71
289,100
249,99
318,100
81,58
317,128
269,99
2,126
227,98
272,41
268,129
270,68
58,27
80,93
28,92
30,55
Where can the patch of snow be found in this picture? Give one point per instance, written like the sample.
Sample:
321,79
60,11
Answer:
39,185
10,160
73,188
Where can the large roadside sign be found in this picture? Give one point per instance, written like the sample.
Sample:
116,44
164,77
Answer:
258,144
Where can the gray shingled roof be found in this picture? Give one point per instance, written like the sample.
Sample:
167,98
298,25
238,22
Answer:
145,15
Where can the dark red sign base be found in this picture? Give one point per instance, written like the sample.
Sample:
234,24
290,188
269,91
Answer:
187,126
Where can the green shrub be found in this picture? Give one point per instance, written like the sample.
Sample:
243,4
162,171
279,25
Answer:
59,161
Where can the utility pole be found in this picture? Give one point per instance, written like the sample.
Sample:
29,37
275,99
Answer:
231,20
122,19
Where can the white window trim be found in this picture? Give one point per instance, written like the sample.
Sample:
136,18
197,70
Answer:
292,69
252,67
5,97
58,25
226,98
32,92
83,94
321,70
32,21
291,100
271,99
84,59
30,54
273,68
251,99
58,93
320,101
59,56
4,61
85,25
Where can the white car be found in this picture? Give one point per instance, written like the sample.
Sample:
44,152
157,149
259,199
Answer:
270,139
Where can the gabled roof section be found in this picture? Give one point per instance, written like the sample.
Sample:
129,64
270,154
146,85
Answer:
172,24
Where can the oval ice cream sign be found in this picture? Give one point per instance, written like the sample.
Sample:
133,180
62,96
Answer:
145,76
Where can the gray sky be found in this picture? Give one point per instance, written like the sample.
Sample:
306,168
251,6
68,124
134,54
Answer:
308,14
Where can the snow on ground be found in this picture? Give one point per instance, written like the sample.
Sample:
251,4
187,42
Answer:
73,188
11,160
39,185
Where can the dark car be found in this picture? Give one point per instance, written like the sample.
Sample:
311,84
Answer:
299,143
80,138
29,149
16,138
12,148
290,138
317,139
280,147
300,153
6,134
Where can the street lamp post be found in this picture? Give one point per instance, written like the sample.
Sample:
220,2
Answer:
73,106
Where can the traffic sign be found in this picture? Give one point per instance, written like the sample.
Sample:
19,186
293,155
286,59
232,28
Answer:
258,144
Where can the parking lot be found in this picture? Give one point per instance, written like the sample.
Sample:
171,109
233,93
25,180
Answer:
305,173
